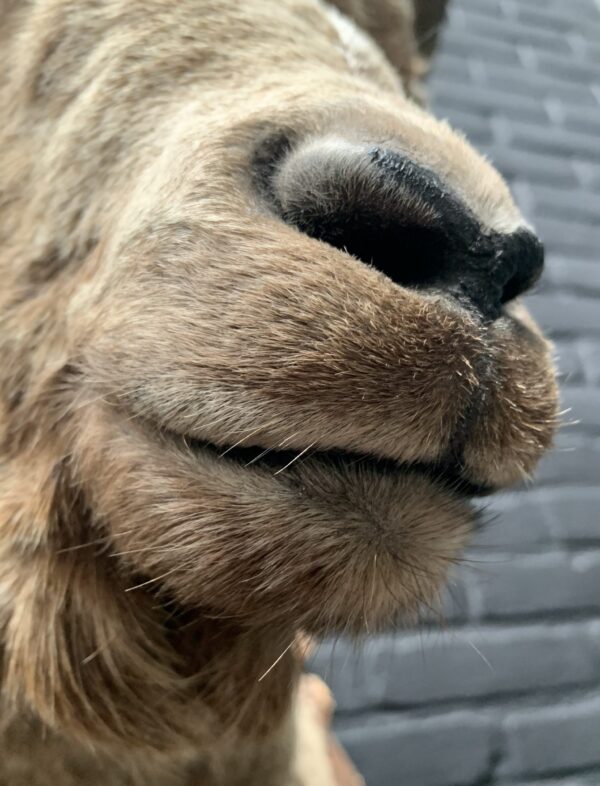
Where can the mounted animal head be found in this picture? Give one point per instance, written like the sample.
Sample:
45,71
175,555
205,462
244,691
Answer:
261,342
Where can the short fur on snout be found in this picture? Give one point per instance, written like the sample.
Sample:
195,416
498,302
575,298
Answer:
219,427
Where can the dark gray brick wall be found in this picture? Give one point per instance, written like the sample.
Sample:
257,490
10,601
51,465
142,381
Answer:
551,738
507,691
393,750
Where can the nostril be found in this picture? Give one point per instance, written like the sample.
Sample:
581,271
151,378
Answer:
407,253
399,216
376,205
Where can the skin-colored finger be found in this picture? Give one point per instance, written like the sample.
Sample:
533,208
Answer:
343,768
317,694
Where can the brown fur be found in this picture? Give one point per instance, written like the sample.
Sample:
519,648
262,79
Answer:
147,587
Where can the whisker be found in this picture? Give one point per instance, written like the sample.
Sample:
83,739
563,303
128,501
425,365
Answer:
277,660
258,458
269,450
287,439
481,655
96,542
79,546
162,549
289,464
239,442
97,651
152,581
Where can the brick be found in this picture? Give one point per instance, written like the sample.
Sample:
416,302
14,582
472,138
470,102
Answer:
586,121
517,80
458,43
592,51
565,18
578,44
488,9
569,363
586,24
552,739
476,128
590,354
576,460
516,33
569,273
453,750
531,166
554,141
567,68
464,664
545,19
534,3
514,519
569,237
562,782
584,405
536,85
450,66
523,196
584,10
486,101
572,514
562,314
588,173
586,7
475,663
567,203
537,584
455,18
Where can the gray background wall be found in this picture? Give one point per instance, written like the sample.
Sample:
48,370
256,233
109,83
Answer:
509,691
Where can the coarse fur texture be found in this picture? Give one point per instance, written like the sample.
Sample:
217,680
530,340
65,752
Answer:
258,342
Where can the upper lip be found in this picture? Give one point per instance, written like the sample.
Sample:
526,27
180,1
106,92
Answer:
446,473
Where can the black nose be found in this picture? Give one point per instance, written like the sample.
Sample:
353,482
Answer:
502,267
381,207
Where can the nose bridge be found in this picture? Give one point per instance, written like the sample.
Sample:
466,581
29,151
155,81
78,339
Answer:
389,211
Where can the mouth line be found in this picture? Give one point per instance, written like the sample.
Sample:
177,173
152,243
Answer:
276,461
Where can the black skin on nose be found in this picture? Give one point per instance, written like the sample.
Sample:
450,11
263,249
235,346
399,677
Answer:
495,270
487,268
401,218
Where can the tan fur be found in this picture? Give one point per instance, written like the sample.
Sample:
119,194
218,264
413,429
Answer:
151,594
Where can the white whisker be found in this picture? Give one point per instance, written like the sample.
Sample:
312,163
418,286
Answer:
482,656
151,581
289,464
287,439
239,442
275,662
257,458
